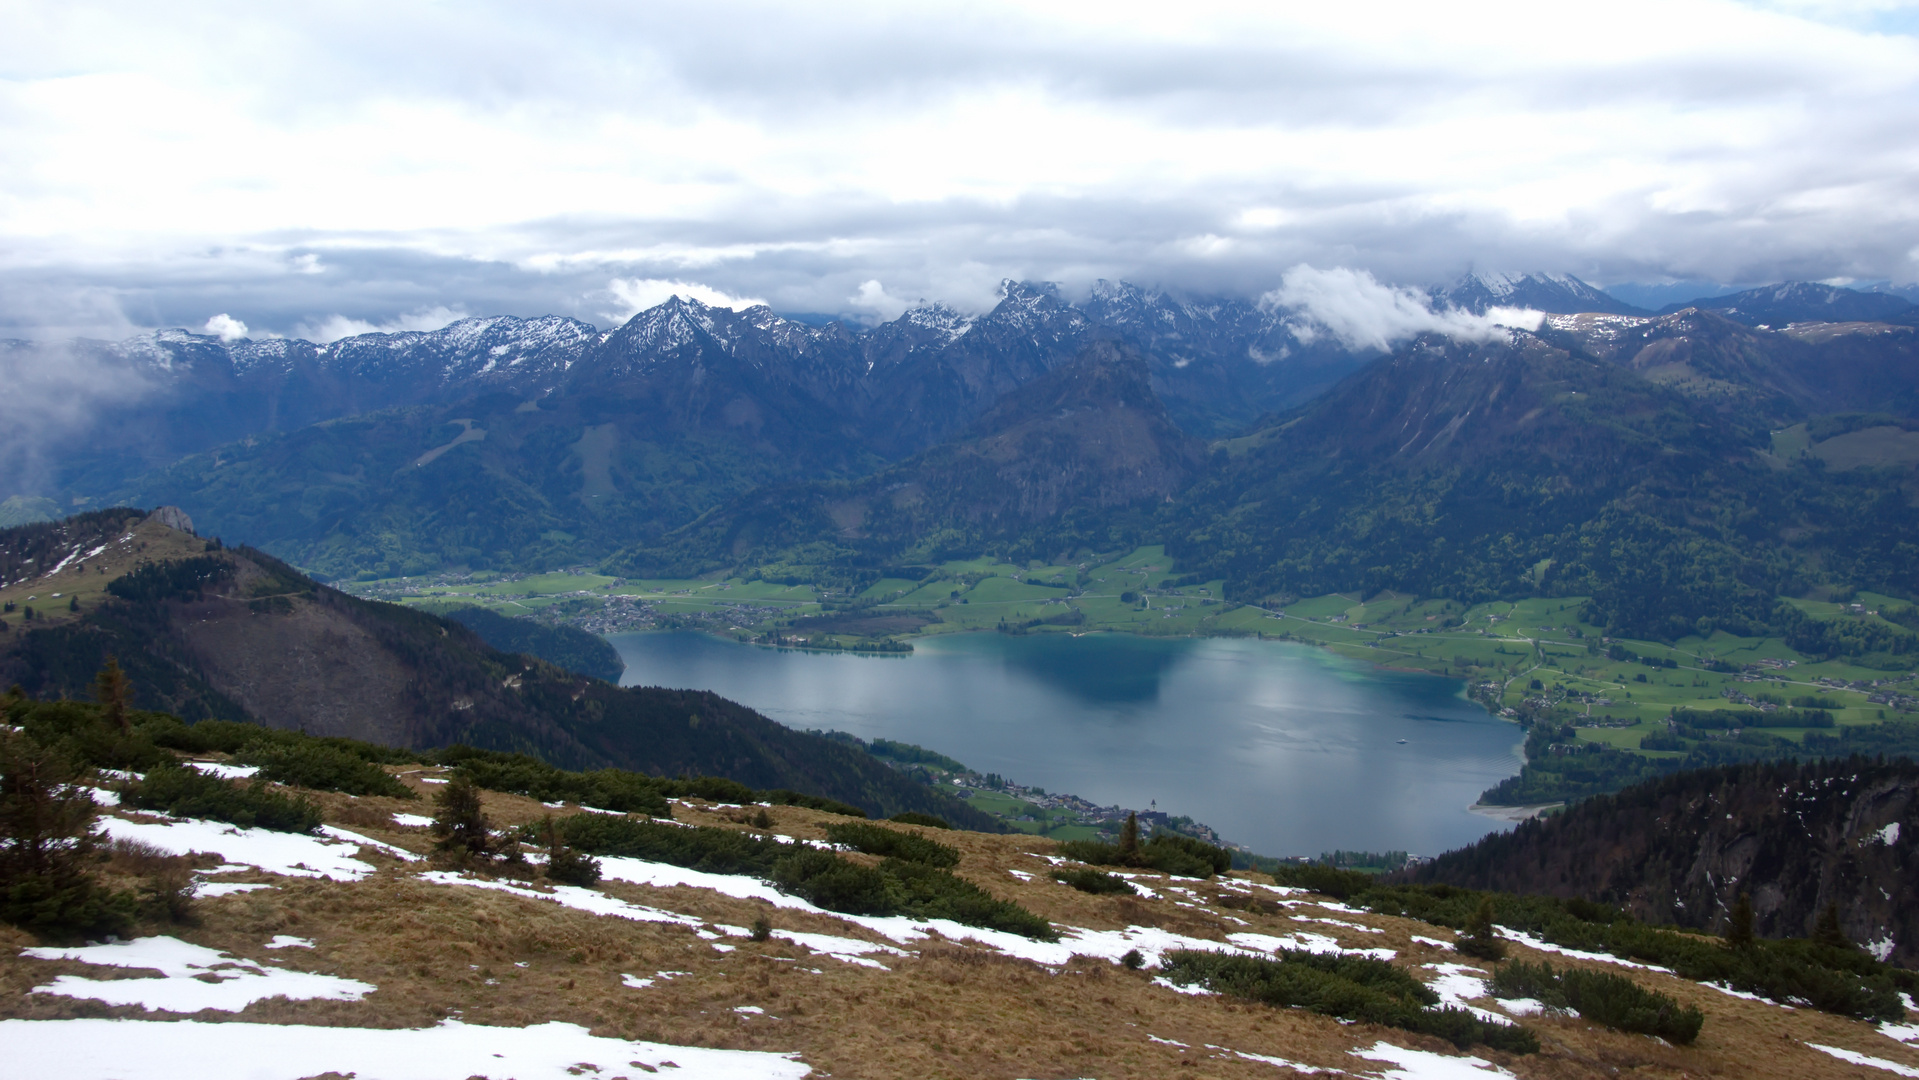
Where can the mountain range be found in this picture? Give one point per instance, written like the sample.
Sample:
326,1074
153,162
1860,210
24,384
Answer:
1239,432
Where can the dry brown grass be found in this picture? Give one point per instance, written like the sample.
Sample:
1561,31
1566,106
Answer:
948,1010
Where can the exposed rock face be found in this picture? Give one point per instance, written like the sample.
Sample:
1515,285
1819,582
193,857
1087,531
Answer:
1797,836
173,518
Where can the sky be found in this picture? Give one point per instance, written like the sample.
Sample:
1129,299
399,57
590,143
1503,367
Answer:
320,170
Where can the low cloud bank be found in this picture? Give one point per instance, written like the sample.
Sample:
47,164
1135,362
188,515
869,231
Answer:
630,296
56,392
1361,312
334,327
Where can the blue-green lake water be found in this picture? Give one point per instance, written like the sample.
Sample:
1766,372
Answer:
1286,748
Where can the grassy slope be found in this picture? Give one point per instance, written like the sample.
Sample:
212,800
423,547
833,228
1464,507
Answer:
942,1008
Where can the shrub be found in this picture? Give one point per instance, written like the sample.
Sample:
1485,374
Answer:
1325,880
183,791
895,887
837,884
314,764
717,851
914,817
1603,997
1346,987
1845,982
762,929
1168,853
1132,961
891,843
1098,882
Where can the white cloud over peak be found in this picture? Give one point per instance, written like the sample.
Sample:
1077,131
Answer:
634,295
334,327
226,327
1362,313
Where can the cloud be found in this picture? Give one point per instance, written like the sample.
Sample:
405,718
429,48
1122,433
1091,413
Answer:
334,327
490,158
634,295
873,302
55,394
1354,307
226,327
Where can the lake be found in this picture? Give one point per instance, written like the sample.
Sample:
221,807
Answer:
1286,748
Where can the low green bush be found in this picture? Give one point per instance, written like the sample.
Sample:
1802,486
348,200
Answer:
1347,987
318,765
914,817
1847,982
1325,880
892,844
616,789
896,887
176,789
718,851
1603,997
1097,882
1168,853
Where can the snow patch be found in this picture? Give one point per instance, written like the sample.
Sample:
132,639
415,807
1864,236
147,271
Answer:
1867,1060
223,771
156,1050
289,854
192,978
412,821
1423,1065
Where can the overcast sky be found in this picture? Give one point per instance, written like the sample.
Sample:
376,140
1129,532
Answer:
319,169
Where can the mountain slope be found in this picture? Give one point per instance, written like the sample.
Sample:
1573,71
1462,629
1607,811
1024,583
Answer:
236,634
1088,438
1800,301
1515,468
1560,294
1797,836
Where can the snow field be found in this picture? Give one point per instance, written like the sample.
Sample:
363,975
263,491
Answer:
291,854
186,1050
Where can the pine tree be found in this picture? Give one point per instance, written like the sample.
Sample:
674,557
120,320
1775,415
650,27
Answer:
1129,840
113,689
1482,936
1827,932
47,843
1739,924
563,864
459,823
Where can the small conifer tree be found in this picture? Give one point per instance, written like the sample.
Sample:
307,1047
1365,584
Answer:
1482,937
563,863
1827,932
47,844
460,825
113,690
1739,923
1129,840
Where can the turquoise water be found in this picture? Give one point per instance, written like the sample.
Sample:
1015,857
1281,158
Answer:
1286,748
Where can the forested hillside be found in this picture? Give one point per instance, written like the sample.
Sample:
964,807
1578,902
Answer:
1797,837
209,632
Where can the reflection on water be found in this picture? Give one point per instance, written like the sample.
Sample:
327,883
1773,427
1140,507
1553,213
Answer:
1283,747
